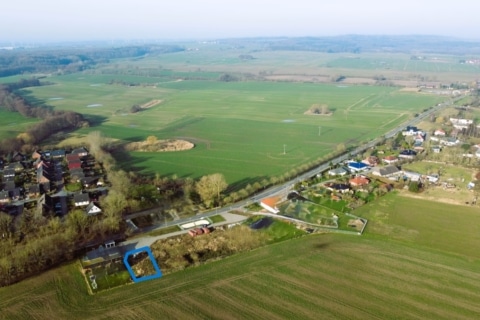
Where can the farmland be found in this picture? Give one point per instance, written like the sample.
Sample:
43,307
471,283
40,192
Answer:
233,124
248,119
408,265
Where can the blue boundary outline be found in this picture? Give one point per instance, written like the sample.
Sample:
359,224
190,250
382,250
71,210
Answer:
156,275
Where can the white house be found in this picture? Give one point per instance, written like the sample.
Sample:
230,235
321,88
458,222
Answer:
92,209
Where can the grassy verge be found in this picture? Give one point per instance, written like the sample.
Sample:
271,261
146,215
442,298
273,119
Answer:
163,231
217,218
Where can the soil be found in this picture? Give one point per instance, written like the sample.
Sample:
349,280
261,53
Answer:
169,145
151,104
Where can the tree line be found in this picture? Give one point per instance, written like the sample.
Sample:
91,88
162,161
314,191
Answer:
67,60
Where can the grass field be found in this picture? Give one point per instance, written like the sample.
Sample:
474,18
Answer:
12,123
417,260
234,125
246,124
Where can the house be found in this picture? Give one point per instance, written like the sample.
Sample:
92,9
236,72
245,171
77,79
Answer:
449,141
436,149
16,166
92,209
341,171
371,161
45,187
89,181
17,157
9,185
77,174
411,131
419,138
34,190
390,159
14,209
439,132
36,155
412,176
339,187
74,164
461,123
432,178
4,197
387,171
56,204
60,207
72,157
357,166
8,173
81,152
58,154
15,194
43,174
418,146
407,154
359,181
269,204
81,199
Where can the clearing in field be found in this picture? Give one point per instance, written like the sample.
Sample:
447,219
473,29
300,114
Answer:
160,146
151,104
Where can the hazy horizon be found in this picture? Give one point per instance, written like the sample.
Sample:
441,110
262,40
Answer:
88,20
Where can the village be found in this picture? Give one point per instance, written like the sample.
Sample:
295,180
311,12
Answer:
51,182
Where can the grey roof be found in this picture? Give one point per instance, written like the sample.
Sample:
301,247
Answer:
386,171
79,150
81,197
57,153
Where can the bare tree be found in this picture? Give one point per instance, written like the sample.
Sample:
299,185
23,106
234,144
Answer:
210,187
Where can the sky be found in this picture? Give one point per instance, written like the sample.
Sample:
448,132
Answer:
84,20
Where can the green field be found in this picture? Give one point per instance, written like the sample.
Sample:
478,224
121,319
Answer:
12,123
417,260
233,124
240,128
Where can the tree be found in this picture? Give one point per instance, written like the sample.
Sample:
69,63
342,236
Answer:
152,140
77,220
120,181
114,203
210,186
5,225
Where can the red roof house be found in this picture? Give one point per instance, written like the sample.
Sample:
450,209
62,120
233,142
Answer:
359,181
270,204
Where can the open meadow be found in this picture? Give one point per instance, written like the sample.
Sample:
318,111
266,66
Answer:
406,266
246,124
245,106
